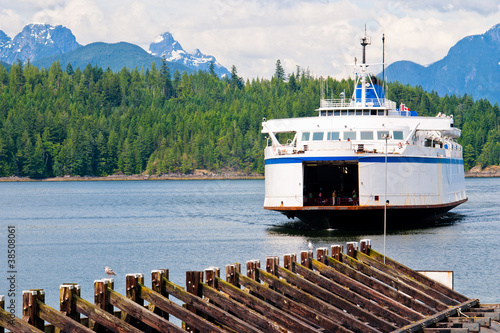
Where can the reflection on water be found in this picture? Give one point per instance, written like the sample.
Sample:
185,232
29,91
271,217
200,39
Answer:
296,227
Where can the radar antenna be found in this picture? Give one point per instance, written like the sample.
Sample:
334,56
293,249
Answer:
365,41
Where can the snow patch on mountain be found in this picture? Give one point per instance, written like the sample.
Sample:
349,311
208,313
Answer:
166,46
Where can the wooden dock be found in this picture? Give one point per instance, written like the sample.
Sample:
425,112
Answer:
353,291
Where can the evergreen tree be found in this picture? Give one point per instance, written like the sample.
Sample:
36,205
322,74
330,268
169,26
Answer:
279,73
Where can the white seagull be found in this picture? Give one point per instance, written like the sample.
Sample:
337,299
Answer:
310,246
109,271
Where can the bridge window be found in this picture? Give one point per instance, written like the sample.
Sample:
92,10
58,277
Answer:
381,133
318,136
349,135
398,135
333,136
367,135
305,136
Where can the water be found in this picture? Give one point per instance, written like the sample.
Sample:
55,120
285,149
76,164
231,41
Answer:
66,232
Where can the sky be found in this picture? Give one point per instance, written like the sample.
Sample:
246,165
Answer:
319,35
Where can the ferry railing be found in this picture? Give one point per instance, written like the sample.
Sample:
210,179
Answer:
370,102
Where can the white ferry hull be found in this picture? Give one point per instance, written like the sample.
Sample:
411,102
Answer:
419,189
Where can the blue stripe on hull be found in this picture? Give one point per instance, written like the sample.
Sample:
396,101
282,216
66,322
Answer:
366,159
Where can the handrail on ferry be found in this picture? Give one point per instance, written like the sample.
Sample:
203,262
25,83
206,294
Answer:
370,102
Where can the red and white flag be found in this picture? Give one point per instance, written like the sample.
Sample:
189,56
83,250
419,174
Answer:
404,108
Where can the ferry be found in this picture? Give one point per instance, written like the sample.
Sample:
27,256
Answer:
363,162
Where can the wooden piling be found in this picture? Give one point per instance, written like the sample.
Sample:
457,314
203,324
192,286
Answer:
132,292
288,260
305,258
31,313
231,276
158,285
252,266
66,301
336,251
321,254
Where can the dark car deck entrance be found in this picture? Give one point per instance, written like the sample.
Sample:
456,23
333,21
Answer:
324,178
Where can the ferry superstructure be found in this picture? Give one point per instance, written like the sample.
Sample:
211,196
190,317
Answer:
362,155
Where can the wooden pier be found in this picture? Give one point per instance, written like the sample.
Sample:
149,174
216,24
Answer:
353,291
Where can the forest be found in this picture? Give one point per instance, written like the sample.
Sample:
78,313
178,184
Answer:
96,122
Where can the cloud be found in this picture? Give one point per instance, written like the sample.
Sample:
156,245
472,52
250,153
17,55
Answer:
252,34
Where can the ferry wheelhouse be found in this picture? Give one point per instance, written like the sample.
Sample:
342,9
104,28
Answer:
360,156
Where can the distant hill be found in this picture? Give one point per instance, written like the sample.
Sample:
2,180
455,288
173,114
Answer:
472,66
115,56
5,65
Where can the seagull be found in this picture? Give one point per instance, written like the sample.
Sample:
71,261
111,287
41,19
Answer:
109,271
310,246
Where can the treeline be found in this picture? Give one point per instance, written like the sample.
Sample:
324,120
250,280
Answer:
93,122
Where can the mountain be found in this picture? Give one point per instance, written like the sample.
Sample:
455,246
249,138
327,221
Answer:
115,56
43,44
36,41
471,67
166,46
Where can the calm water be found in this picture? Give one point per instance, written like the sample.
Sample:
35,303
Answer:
66,232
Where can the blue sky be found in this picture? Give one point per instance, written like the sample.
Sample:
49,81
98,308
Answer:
321,35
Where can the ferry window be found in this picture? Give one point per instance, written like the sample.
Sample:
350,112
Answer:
366,135
344,112
380,133
366,112
359,112
333,136
397,135
351,112
337,112
305,136
380,112
317,136
350,135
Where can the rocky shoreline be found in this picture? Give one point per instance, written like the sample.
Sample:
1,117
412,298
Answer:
197,175
478,172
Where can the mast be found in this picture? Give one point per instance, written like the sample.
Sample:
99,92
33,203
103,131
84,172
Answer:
364,41
383,60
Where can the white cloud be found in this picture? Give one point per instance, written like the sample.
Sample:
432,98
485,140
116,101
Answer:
320,34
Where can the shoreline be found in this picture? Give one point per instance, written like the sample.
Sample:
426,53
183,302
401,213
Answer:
489,172
195,176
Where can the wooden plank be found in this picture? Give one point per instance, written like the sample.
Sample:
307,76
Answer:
330,304
294,304
347,296
139,312
486,322
446,330
472,327
418,325
431,297
103,317
60,320
419,277
239,310
209,309
367,292
176,310
442,300
271,312
16,325
376,285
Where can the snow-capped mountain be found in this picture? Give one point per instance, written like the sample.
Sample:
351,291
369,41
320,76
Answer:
36,41
166,46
